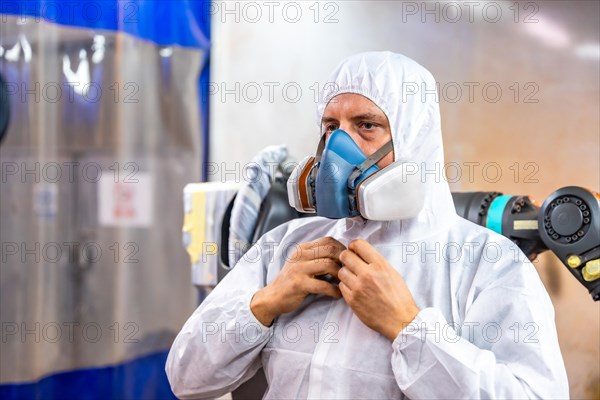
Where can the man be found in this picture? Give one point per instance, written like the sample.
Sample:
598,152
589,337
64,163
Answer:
430,306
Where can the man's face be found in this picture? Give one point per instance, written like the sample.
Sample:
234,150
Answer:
366,123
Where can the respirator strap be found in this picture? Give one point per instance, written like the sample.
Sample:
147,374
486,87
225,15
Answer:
369,162
364,166
320,149
312,174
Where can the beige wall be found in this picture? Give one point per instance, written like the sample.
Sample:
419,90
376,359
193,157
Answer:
551,129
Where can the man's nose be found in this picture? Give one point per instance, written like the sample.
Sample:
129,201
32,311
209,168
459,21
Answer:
345,127
350,130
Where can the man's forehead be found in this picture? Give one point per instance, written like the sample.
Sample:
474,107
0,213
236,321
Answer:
353,106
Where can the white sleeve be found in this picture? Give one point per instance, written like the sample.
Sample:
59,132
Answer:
506,347
219,346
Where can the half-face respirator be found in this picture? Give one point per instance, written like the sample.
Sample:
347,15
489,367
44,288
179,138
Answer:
340,181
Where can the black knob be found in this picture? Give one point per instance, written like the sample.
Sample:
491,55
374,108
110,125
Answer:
566,219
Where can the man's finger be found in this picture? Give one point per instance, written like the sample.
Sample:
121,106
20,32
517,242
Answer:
316,286
321,266
326,247
327,240
365,251
353,262
345,291
347,277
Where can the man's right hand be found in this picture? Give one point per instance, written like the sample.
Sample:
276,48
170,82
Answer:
298,279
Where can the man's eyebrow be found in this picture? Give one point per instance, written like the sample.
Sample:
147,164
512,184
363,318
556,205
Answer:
327,120
368,116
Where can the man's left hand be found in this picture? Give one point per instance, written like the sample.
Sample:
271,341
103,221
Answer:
374,290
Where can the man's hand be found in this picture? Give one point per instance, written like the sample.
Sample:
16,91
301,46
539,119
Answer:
374,290
297,279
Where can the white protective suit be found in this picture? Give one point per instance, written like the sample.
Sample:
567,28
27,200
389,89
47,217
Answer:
486,324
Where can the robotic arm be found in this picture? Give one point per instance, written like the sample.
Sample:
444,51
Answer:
567,223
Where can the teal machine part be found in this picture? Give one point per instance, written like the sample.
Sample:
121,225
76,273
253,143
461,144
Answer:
494,218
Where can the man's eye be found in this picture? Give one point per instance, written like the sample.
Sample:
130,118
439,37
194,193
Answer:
367,125
330,128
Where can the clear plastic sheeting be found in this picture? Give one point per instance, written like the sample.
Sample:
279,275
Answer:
104,134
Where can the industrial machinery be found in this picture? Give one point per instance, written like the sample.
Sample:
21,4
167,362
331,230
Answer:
567,223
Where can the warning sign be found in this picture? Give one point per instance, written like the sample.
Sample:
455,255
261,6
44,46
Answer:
125,204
